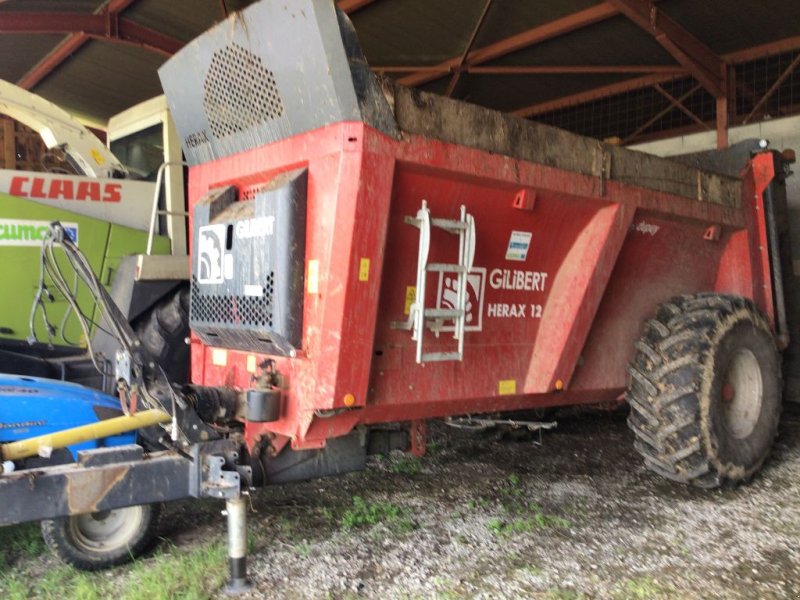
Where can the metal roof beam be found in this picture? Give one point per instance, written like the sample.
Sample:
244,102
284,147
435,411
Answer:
54,58
51,22
701,62
541,69
105,26
463,60
351,6
535,35
739,56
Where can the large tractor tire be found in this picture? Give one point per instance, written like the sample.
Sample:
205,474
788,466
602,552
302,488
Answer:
705,390
105,539
163,331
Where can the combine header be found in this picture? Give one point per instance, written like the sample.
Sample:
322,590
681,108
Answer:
365,254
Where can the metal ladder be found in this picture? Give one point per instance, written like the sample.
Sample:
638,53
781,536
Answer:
420,317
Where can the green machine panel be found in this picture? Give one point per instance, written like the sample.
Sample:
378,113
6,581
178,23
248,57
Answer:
23,224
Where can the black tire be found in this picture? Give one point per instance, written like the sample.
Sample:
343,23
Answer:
705,390
102,540
163,331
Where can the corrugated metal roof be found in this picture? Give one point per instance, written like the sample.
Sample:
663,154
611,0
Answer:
101,78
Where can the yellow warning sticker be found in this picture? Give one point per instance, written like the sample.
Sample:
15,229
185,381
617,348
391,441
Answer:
98,158
411,297
219,357
251,363
363,270
313,277
507,386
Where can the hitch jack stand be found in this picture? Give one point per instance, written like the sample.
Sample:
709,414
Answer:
236,511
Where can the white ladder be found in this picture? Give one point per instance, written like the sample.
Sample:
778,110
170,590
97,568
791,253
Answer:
420,317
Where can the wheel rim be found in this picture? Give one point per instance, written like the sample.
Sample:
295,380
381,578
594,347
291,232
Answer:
107,530
742,393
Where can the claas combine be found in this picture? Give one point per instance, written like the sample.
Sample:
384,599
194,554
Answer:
364,254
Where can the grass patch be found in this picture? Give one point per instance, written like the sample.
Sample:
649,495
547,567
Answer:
639,588
367,514
565,594
19,542
185,574
521,517
407,465
171,574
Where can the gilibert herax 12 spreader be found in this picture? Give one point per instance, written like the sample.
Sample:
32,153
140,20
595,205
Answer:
365,254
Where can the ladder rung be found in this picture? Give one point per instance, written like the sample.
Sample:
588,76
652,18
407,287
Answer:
443,313
449,224
446,268
440,356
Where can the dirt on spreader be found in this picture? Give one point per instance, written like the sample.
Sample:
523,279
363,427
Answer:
491,516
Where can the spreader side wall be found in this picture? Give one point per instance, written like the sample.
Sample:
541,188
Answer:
552,321
606,254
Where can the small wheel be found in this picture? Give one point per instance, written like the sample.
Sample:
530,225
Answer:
705,390
103,539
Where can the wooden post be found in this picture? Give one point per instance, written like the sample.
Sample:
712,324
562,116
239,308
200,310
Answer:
9,145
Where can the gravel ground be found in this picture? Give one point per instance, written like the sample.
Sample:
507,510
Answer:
487,516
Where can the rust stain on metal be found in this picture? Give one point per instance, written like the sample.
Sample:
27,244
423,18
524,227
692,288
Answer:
86,490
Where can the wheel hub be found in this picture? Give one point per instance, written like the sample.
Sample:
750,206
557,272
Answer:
742,393
105,530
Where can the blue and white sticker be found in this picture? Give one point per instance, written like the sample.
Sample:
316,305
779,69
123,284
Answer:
25,232
518,245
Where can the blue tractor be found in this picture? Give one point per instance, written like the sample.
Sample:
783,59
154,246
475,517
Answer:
33,406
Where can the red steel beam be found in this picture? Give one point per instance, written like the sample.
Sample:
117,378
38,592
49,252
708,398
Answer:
739,56
462,61
535,35
54,58
109,12
773,88
100,26
139,35
51,22
351,6
660,114
595,94
576,69
703,64
675,102
540,69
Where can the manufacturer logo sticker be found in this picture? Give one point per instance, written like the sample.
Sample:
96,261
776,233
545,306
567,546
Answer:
23,232
447,297
518,245
210,254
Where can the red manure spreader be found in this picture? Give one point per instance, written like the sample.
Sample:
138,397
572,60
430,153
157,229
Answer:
365,254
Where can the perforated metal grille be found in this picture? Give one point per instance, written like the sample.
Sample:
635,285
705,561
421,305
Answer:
244,311
239,92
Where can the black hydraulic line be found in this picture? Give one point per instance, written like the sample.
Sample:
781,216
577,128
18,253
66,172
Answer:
777,269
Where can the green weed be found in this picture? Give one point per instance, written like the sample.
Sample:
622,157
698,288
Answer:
407,465
367,514
639,588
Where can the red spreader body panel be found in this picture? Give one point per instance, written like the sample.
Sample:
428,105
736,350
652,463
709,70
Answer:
566,269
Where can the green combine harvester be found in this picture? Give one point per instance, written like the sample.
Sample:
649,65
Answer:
116,213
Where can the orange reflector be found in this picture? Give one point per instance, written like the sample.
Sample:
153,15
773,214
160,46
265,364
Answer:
559,385
349,399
